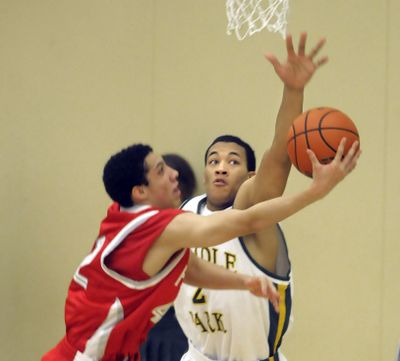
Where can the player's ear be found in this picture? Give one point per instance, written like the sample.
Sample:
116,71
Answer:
139,194
251,174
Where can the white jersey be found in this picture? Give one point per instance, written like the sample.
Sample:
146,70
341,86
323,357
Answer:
231,325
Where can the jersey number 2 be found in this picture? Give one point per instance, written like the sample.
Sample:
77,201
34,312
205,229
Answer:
199,297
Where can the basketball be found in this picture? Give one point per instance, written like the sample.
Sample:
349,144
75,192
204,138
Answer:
321,130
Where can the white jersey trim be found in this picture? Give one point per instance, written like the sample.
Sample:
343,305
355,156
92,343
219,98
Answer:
96,345
118,239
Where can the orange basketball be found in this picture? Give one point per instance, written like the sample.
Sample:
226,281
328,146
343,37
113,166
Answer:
321,130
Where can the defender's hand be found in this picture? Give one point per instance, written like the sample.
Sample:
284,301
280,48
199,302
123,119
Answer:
263,287
299,68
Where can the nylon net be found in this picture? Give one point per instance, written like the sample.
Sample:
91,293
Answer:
246,17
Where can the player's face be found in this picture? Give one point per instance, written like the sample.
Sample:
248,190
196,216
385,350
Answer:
163,188
225,171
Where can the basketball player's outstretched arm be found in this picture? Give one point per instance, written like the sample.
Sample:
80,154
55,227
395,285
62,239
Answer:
192,230
295,73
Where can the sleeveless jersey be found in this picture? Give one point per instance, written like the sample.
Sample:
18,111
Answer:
112,303
231,325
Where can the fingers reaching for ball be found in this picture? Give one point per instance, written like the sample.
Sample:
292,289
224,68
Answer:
340,150
349,161
327,176
346,161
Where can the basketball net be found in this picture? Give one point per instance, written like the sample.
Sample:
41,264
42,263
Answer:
246,17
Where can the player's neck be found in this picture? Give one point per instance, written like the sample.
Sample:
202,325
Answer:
215,208
135,208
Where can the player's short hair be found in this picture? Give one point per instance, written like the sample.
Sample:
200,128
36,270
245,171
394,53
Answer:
186,178
250,155
125,170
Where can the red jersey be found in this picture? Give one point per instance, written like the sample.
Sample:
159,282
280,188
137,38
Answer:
112,303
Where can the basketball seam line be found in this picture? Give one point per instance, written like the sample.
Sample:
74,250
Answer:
318,130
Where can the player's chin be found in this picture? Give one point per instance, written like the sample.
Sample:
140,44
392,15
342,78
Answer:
222,196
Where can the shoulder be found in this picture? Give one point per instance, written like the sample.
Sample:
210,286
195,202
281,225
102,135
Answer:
244,195
164,216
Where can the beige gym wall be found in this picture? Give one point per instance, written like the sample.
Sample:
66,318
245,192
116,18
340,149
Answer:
81,79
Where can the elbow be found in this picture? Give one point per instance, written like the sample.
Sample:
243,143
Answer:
253,225
260,222
258,225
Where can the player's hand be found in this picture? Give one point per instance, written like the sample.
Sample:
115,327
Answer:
300,67
327,176
263,287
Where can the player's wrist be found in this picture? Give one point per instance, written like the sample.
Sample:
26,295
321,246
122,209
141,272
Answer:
314,193
294,90
245,282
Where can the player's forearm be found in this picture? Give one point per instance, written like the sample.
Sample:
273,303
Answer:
267,213
325,178
231,223
207,275
291,106
272,174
